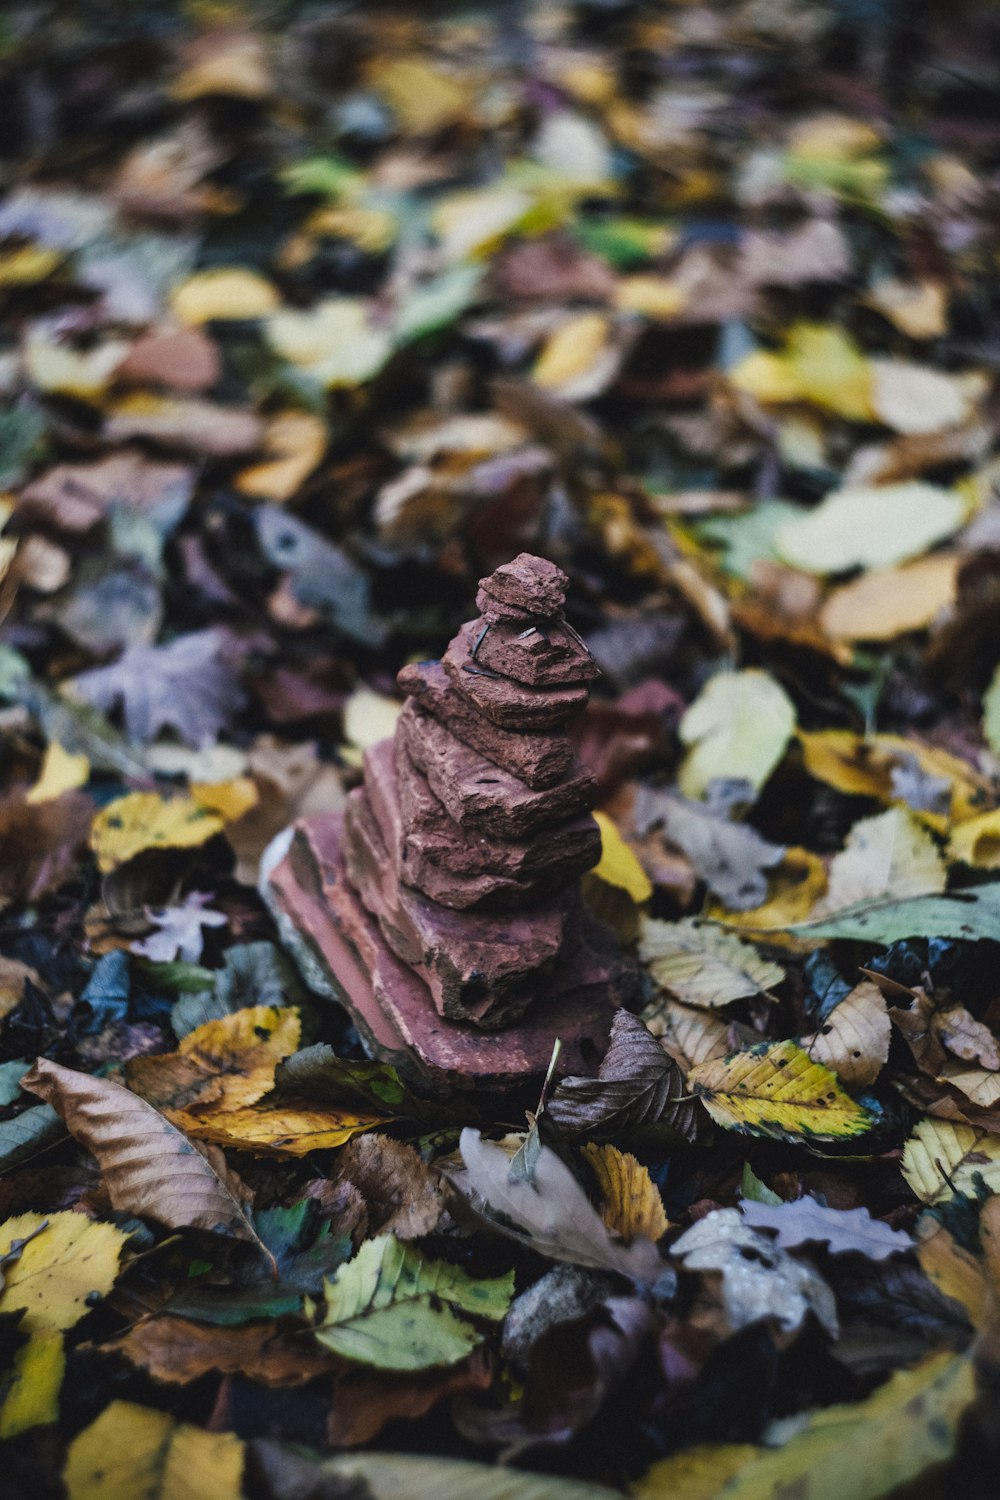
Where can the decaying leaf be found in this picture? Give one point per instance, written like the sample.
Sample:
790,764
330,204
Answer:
942,1160
638,1086
776,1089
223,1065
391,1308
759,1280
702,964
148,1166
632,1203
842,1229
887,857
854,1038
177,1350
65,1258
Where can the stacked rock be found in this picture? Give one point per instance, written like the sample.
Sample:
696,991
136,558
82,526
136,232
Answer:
471,831
442,907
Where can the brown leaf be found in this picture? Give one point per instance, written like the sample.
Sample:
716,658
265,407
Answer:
75,497
966,1037
149,1167
183,359
638,1085
403,1196
41,842
364,1401
179,1350
854,1038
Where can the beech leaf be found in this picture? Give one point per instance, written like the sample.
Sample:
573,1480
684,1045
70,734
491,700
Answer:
776,1089
132,1452
638,1085
703,964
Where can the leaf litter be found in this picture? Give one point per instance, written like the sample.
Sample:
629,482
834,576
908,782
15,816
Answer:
312,317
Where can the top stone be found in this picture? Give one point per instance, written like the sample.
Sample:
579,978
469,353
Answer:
529,584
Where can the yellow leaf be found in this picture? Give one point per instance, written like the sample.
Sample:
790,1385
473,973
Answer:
691,1036
654,297
225,1064
776,1089
889,602
24,265
422,97
618,864
65,1262
820,364
373,230
854,1038
977,841
917,308
572,351
229,800
32,1399
737,727
61,772
368,718
864,766
227,294
334,342
795,887
912,398
225,61
276,1129
134,1453
85,373
297,442
143,820
941,1160
849,1452
870,526
834,137
632,1203
953,1270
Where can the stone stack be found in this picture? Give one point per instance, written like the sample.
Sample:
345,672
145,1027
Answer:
462,853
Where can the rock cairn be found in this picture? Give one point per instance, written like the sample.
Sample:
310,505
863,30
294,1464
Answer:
442,907
472,829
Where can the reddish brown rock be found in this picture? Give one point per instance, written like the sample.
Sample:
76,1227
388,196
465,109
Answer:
509,704
461,870
537,759
549,654
342,949
480,795
528,583
478,966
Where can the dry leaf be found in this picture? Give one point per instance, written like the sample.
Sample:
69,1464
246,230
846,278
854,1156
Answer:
854,1038
632,1203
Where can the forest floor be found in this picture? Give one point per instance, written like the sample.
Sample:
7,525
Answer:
312,315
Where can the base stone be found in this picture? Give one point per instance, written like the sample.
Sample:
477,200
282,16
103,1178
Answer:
339,944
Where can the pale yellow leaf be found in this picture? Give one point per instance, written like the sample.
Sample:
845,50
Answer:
367,718
654,297
296,441
702,964
737,727
228,800
854,1038
85,373
132,1452
572,352
225,61
917,308
61,772
912,398
941,1160
473,223
690,1036
632,1204
422,96
775,1089
886,857
830,137
336,342
821,364
225,294
870,526
25,265
889,602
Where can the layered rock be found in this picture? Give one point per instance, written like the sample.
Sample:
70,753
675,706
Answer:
457,862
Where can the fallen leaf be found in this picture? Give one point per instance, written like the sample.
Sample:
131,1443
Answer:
854,1038
390,1308
295,442
917,308
776,1089
203,428
147,1165
579,359
864,1450
225,61
690,1036
820,364
61,772
223,1065
942,1160
223,294
889,602
730,857
65,1259
390,1476
32,1397
177,1350
143,820
702,964
336,343
402,1195
912,398
842,1230
886,857
736,729
275,1129
179,932
132,1452
364,1402
759,1280
632,1204
42,843
638,1086
870,527
618,864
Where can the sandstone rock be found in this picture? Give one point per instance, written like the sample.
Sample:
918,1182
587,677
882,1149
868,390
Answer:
529,583
504,702
548,654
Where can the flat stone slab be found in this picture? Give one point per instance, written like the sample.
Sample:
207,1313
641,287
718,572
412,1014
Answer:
511,705
530,583
480,795
548,654
342,947
462,870
539,759
479,966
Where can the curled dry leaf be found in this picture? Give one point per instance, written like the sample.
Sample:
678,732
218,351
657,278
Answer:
222,1065
638,1086
177,1350
548,1211
147,1165
402,1195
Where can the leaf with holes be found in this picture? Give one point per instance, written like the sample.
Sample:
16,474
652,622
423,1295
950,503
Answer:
776,1089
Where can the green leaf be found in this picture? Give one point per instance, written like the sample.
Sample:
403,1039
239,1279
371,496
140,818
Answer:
317,1073
28,1133
703,964
870,527
755,1191
329,176
970,915
390,1308
436,303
